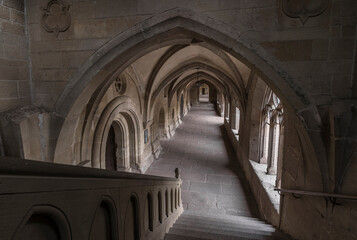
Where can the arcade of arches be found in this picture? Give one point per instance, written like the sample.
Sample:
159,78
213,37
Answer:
105,82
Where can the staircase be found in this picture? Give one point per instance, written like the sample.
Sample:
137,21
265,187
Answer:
193,225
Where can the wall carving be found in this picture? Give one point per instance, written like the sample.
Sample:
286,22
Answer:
55,17
303,9
120,84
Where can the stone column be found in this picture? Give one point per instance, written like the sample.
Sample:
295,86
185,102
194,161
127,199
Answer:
232,116
223,103
266,132
281,153
273,159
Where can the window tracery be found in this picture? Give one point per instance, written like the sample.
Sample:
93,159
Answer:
272,123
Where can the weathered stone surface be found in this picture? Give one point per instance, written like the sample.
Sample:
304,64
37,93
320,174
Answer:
4,12
15,4
13,28
308,65
8,89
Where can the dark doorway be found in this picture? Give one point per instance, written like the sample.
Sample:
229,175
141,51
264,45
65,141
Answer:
110,153
203,91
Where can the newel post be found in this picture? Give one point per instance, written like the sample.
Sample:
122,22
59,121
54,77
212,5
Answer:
177,173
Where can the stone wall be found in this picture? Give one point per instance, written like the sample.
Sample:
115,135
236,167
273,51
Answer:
320,51
300,171
307,58
14,63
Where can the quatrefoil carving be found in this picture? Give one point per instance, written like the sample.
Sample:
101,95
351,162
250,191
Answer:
55,17
303,9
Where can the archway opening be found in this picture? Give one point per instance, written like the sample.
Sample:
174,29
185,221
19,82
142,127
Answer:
204,92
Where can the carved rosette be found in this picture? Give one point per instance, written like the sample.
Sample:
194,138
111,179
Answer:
303,9
55,17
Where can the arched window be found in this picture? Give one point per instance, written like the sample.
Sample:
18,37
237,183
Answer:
237,119
271,132
159,207
228,110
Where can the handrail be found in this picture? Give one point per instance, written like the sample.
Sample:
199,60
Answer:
17,166
319,194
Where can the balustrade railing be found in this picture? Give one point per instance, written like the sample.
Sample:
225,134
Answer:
52,201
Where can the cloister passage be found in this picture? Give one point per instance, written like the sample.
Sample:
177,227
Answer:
211,178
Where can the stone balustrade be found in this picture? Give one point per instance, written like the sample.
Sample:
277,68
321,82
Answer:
51,201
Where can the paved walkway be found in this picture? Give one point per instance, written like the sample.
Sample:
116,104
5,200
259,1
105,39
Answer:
209,174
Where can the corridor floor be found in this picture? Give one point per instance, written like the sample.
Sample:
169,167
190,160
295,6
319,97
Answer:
211,181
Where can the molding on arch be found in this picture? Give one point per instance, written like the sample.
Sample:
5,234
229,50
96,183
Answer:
118,105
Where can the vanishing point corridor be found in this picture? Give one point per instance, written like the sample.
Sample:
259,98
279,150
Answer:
211,180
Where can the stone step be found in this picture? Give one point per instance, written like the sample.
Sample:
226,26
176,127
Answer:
206,233
198,213
219,226
172,236
195,224
247,233
237,221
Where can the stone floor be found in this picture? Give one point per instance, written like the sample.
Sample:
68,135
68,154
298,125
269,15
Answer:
211,179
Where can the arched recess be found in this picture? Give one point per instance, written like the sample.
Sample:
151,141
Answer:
132,219
149,213
43,222
172,200
159,206
104,224
121,110
167,203
176,26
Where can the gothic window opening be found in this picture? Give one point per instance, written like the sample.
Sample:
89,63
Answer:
271,133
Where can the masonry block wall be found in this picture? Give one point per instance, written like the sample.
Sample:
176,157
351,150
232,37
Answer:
14,61
307,59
